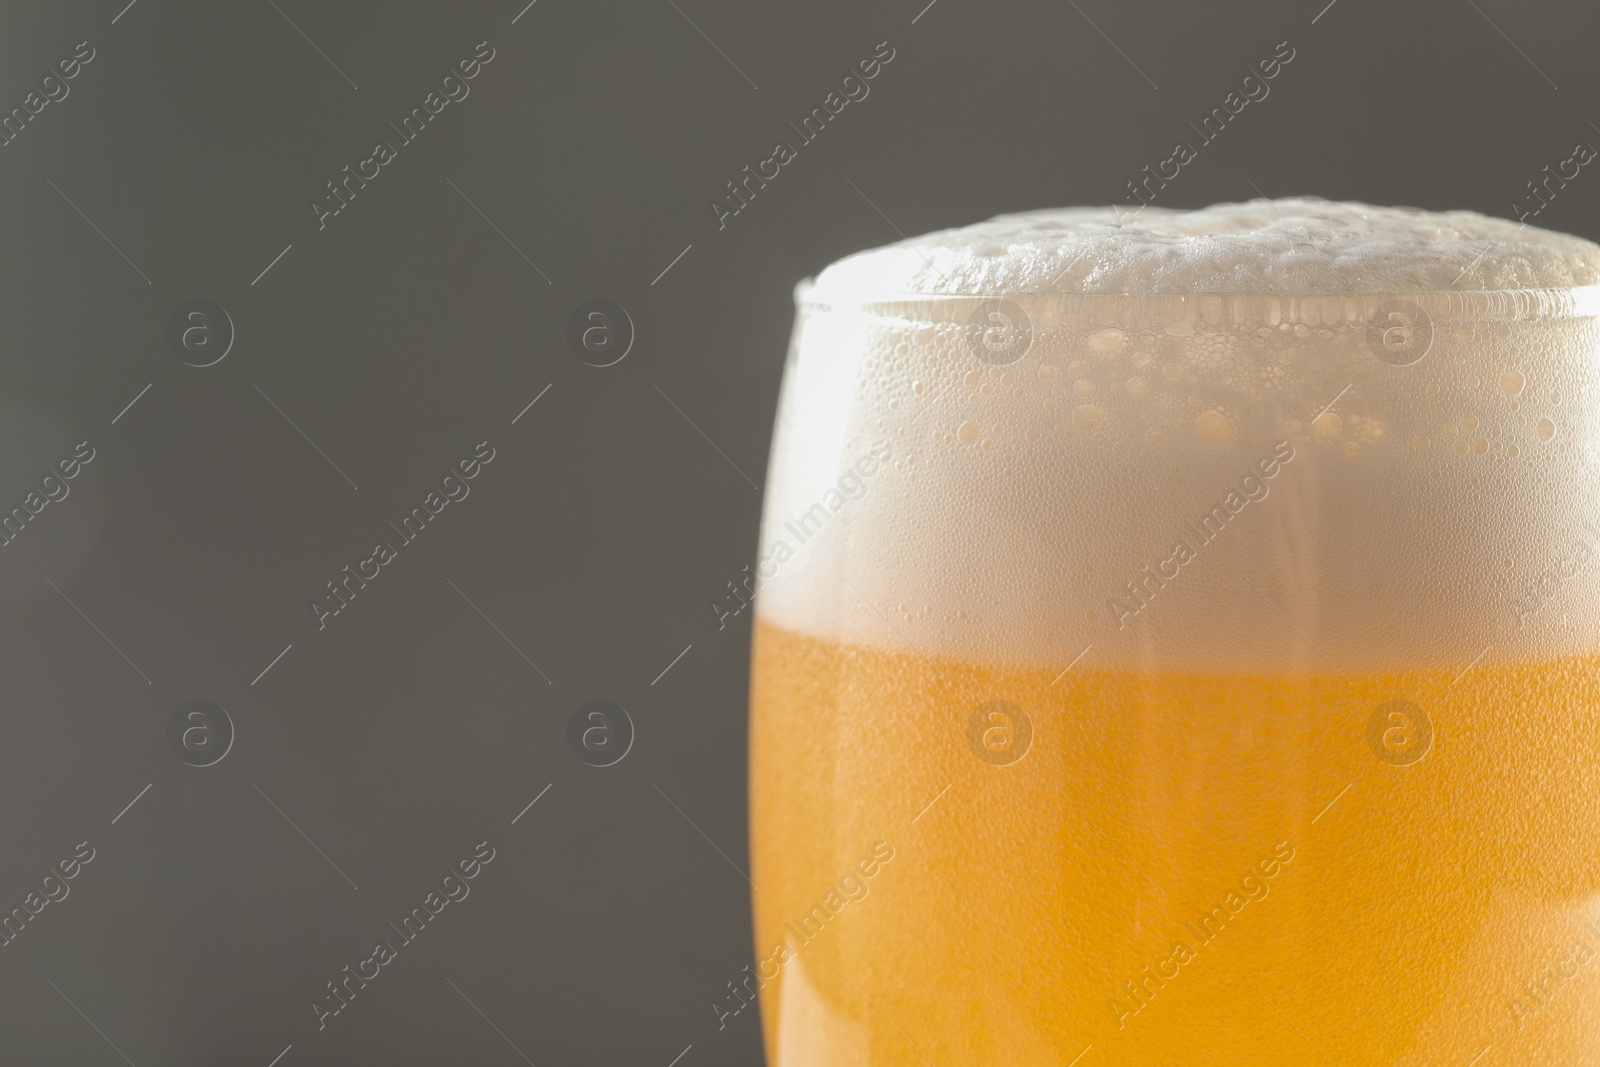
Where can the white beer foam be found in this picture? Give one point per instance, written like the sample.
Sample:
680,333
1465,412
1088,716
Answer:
1218,450
1296,246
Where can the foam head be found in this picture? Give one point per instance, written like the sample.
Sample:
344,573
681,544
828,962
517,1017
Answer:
1288,435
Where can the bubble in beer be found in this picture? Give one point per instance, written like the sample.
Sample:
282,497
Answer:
1399,733
999,733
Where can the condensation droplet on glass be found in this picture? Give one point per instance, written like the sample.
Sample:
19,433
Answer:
1213,428
1088,415
1107,340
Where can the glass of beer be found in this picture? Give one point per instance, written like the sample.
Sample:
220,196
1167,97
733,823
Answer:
1178,642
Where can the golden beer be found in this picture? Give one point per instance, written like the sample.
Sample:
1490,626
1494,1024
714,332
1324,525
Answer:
1178,642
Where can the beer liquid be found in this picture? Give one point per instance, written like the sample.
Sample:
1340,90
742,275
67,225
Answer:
1431,909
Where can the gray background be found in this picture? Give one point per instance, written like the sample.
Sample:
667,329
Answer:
409,329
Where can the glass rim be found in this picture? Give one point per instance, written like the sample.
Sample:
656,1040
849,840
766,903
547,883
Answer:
1215,308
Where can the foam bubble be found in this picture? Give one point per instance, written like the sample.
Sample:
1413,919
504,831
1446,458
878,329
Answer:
1261,436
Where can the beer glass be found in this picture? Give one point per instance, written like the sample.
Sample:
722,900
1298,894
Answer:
1178,642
